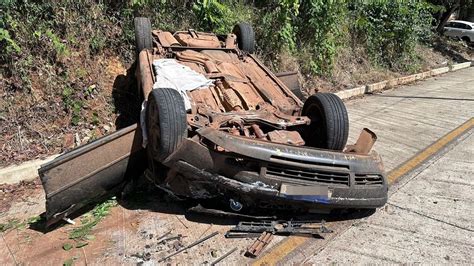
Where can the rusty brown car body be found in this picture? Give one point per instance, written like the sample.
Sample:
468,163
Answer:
246,140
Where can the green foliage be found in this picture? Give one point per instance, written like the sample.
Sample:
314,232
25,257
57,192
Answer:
11,224
72,104
391,30
67,246
17,224
310,31
9,45
91,219
218,16
58,46
321,24
278,31
213,15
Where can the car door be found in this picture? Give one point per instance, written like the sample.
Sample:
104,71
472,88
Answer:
458,29
88,173
466,31
450,30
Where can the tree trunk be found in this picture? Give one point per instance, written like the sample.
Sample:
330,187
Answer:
446,15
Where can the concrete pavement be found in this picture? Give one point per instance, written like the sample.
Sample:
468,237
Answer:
427,220
412,228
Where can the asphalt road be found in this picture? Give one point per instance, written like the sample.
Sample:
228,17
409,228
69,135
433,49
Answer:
429,215
425,139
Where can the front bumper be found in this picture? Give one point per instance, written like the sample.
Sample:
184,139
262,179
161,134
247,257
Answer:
270,175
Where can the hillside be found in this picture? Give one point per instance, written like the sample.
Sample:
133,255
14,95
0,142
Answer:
66,68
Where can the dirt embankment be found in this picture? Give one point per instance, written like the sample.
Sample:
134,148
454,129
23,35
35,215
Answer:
99,95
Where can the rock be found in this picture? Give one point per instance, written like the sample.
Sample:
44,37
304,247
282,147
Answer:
107,128
68,140
77,139
97,133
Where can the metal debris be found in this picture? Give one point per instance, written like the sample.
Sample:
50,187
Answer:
201,209
181,222
248,229
164,240
223,256
364,143
259,245
164,235
189,246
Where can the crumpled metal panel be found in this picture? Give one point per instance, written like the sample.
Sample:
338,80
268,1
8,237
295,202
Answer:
89,172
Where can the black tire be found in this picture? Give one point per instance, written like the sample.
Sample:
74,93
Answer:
329,127
143,38
466,39
245,37
165,122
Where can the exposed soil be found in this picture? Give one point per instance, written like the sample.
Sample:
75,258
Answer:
132,233
353,67
36,123
10,193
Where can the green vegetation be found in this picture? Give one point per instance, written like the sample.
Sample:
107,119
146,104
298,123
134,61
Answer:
11,224
91,219
311,30
391,31
58,59
17,224
67,246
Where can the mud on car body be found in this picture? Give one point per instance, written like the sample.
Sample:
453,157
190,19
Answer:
218,124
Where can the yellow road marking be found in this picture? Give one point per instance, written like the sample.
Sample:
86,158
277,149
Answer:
292,243
428,152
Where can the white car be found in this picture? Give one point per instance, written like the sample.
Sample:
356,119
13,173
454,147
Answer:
463,30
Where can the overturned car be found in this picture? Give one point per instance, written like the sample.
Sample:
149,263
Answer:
217,124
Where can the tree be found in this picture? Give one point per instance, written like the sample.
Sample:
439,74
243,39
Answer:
448,8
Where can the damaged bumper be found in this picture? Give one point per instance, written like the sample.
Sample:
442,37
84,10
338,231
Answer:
264,174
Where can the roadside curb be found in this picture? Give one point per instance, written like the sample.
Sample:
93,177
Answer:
387,84
23,172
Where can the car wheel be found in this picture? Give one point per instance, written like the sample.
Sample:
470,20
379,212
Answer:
143,39
245,37
165,122
466,39
329,126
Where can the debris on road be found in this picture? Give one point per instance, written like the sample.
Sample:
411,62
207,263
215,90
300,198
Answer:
248,229
188,246
259,245
223,256
163,241
164,235
220,213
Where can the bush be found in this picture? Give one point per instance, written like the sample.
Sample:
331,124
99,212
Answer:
309,32
321,25
391,29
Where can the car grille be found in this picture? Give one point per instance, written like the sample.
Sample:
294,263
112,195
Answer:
318,176
368,180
